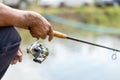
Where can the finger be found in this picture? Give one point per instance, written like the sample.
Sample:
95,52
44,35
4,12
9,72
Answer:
11,63
19,53
19,56
33,35
37,35
42,34
50,34
14,61
20,59
20,50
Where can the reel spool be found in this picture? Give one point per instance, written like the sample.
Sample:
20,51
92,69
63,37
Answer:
39,52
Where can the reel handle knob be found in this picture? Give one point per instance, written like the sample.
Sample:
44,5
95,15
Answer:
38,61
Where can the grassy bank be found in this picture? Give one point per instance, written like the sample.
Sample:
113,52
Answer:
109,16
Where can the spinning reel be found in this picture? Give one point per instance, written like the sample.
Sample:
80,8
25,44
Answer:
39,52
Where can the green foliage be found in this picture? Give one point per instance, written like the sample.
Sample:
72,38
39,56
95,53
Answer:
109,16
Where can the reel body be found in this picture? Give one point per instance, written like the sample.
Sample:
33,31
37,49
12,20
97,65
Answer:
39,52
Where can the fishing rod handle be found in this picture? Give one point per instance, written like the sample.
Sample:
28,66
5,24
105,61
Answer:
60,35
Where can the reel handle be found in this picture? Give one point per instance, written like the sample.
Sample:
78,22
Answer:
38,61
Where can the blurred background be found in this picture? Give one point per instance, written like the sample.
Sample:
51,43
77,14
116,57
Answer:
97,21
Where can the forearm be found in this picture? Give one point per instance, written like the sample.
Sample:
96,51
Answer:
34,22
10,16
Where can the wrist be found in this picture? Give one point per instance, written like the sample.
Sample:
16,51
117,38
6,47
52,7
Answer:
25,20
22,20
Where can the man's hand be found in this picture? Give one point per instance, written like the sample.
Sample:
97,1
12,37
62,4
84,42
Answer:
17,58
39,27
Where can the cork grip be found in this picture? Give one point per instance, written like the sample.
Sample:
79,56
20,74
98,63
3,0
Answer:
60,35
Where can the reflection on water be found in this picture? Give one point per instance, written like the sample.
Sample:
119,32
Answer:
70,60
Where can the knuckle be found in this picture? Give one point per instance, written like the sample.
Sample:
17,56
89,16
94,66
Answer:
43,36
48,25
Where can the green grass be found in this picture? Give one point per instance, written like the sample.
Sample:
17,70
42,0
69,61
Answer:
109,16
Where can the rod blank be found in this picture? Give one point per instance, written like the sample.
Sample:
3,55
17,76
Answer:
93,44
64,36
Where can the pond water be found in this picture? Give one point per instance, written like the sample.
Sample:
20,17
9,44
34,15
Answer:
69,60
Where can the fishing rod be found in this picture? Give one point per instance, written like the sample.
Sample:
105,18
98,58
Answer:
64,36
40,52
